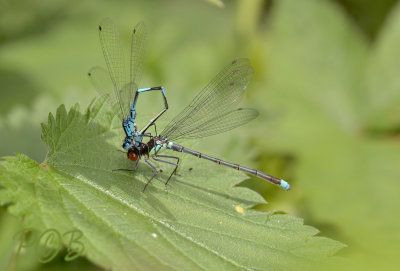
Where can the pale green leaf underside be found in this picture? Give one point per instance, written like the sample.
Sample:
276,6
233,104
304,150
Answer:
194,226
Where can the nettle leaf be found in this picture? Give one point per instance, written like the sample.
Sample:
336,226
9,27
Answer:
203,222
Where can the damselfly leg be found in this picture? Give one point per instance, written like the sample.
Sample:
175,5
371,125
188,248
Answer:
149,134
143,130
136,165
168,162
124,169
177,164
155,129
155,174
152,121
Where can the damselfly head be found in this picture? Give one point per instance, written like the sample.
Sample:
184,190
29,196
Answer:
132,155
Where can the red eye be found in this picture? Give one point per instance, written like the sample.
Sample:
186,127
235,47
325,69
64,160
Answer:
132,156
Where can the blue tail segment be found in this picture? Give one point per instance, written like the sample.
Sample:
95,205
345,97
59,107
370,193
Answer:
285,185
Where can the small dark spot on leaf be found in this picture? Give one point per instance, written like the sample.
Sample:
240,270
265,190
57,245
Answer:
44,166
234,62
100,27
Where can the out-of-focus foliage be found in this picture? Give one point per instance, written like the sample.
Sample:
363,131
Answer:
370,15
21,19
326,85
218,3
333,89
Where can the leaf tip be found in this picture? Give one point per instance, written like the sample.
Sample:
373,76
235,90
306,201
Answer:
44,165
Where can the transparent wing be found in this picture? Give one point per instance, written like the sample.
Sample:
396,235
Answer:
219,124
138,52
100,79
113,55
219,97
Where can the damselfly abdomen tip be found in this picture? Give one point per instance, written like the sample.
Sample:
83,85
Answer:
285,185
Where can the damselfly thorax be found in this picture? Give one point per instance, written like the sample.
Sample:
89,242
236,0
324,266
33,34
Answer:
146,150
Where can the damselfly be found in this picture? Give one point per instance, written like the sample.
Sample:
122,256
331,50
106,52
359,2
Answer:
211,112
120,92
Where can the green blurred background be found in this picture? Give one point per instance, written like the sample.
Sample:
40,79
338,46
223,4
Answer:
327,86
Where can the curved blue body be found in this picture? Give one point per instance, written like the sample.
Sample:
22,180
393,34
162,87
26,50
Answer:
129,124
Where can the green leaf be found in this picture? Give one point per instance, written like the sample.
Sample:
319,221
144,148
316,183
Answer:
203,222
